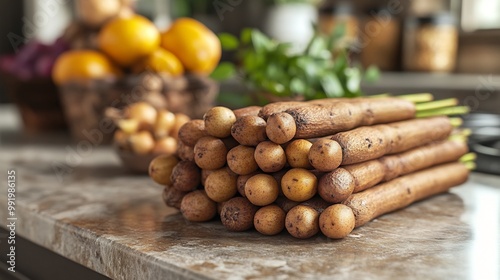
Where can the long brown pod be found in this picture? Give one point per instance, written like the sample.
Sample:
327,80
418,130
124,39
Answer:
247,111
371,142
277,107
368,174
337,185
401,192
322,119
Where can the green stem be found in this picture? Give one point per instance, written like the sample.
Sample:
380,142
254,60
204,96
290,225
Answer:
456,122
470,165
464,132
457,110
436,104
468,157
458,137
417,97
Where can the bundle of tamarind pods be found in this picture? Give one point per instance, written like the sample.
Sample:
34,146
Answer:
326,165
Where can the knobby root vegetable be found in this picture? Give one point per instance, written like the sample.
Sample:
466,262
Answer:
299,184
261,189
280,128
160,169
302,221
247,111
297,153
368,174
322,119
249,130
270,157
371,142
173,197
186,176
220,185
325,155
192,131
269,220
403,191
237,214
218,121
337,185
241,161
210,153
197,207
337,221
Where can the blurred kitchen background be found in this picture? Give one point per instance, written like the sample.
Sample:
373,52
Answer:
409,41
450,48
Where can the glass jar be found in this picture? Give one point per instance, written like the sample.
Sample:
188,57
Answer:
379,40
332,15
430,43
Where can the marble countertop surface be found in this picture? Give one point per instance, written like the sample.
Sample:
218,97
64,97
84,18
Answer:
82,205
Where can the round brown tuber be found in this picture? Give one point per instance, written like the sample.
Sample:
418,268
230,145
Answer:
197,207
325,155
173,197
299,184
192,131
218,121
280,127
302,221
186,176
269,220
270,157
297,153
336,186
210,153
220,185
241,161
249,130
261,189
237,214
337,221
161,167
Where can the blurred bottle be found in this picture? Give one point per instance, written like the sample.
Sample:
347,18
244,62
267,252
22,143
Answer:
430,43
332,14
379,39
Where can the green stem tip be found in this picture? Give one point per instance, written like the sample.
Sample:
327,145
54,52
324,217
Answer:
448,111
436,104
468,157
470,165
456,122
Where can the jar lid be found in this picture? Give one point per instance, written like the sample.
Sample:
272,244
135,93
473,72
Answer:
434,19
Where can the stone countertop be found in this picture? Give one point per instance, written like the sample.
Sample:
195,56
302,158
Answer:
117,225
95,214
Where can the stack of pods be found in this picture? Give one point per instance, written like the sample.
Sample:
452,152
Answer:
325,166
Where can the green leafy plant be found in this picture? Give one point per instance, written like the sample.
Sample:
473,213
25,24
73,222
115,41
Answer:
319,71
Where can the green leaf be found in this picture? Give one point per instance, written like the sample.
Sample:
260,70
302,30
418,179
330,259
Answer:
224,71
337,34
297,86
261,42
353,76
246,36
331,85
341,62
317,46
228,41
372,74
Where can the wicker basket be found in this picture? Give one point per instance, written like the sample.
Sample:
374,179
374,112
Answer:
38,103
85,104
